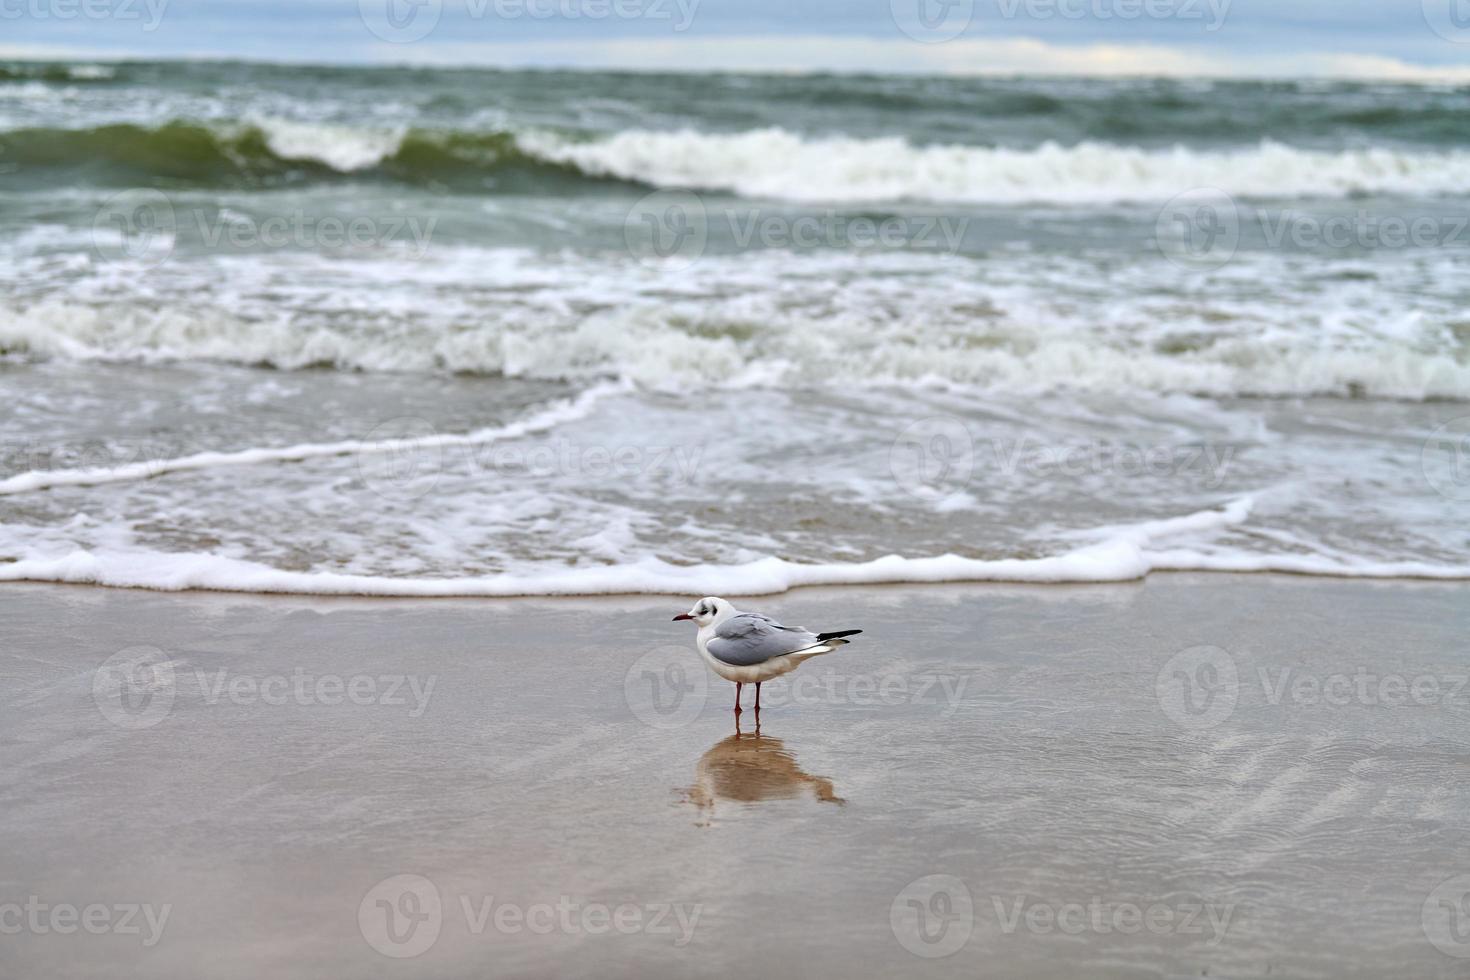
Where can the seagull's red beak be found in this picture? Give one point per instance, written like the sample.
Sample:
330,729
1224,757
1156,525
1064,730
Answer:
682,616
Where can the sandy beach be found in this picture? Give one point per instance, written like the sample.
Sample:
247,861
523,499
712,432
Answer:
383,384
1196,775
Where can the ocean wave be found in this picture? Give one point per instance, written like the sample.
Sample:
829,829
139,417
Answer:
546,418
765,163
1128,554
778,164
82,72
267,152
669,348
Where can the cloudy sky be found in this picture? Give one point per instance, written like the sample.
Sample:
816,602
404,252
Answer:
1425,39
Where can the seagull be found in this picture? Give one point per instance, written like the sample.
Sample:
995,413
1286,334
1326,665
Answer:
749,648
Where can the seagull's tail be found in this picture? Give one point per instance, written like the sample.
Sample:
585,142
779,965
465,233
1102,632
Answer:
829,642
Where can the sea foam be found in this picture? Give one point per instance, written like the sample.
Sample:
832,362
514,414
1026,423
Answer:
1127,554
775,163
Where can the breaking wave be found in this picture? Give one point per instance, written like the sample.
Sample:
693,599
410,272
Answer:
764,163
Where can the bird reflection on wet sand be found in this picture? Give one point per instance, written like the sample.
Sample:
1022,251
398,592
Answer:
749,767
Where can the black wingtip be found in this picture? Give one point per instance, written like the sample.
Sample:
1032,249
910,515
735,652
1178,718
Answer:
838,635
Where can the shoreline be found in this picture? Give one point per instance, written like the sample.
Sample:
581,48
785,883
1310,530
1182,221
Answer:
791,591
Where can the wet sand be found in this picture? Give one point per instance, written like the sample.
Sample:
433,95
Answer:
1232,776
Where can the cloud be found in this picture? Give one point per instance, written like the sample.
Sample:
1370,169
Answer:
995,56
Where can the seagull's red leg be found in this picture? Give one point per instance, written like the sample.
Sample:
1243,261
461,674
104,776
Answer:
738,686
757,695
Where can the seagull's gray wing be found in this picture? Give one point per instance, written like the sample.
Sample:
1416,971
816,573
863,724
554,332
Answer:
747,639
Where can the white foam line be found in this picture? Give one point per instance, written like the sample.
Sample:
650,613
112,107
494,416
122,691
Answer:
776,163
1123,557
1114,562
550,417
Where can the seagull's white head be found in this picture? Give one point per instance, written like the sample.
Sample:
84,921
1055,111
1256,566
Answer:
708,610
